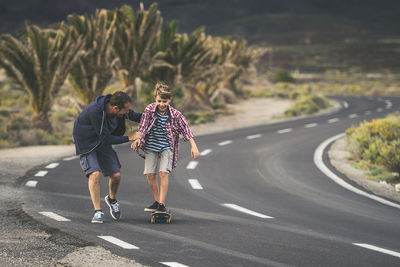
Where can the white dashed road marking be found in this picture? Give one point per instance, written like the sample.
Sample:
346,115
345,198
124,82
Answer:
41,173
205,152
333,120
311,125
192,165
352,116
174,264
54,216
368,112
247,211
195,184
379,110
52,165
224,143
288,130
253,136
31,183
118,242
382,250
70,158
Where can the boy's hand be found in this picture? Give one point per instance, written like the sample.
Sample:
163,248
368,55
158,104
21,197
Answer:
195,153
135,144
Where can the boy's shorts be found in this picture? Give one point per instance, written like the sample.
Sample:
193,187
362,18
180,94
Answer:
103,159
151,160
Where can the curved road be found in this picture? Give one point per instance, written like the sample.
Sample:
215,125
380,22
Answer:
254,198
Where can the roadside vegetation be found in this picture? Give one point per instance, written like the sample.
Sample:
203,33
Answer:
375,147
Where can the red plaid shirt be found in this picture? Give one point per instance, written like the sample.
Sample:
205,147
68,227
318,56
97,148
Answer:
176,124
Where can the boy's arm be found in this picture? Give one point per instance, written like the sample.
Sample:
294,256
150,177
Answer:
194,152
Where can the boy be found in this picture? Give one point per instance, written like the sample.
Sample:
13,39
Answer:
158,136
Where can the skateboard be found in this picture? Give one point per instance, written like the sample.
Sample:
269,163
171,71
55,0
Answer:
161,217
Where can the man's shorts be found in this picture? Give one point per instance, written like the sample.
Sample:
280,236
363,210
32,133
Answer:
150,163
103,159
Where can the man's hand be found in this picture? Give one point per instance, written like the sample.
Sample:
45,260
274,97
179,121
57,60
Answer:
135,136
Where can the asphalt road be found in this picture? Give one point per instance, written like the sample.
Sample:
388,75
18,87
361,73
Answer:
254,198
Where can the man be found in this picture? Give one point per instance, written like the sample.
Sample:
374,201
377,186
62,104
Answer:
100,125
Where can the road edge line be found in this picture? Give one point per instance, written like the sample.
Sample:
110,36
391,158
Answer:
318,153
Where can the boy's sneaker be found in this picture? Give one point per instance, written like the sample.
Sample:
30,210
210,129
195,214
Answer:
153,207
115,210
161,208
98,217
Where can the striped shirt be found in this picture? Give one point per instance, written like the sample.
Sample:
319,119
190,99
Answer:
157,139
175,125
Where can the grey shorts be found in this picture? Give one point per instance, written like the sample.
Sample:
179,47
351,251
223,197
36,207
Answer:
103,159
150,163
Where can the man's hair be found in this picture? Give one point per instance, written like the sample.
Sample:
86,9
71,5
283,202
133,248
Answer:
119,99
163,91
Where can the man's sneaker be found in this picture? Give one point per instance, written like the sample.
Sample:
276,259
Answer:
98,217
115,210
153,207
161,208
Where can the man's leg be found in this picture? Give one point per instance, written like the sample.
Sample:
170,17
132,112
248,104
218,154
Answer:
163,186
151,179
114,182
94,189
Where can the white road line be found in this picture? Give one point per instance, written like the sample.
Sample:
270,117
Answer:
205,152
311,125
288,130
224,143
192,165
52,165
31,183
352,116
333,120
382,250
174,264
388,104
345,104
54,216
320,164
195,184
368,112
379,109
41,173
253,136
71,158
118,242
244,210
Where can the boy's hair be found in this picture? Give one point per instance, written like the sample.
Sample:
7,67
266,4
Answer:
119,99
163,91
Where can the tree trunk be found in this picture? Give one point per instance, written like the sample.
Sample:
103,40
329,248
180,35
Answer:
41,120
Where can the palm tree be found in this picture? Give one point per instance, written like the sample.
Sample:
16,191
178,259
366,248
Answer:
136,34
39,64
93,70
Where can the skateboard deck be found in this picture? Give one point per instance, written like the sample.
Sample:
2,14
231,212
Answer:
161,217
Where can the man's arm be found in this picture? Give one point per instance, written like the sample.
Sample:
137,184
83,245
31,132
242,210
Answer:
134,116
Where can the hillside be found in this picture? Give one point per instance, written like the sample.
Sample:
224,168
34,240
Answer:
313,26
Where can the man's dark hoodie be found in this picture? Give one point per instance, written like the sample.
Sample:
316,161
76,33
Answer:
91,130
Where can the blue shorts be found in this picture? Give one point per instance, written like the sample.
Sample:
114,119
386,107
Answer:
103,159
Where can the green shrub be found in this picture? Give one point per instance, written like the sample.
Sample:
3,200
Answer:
282,76
377,143
307,104
199,117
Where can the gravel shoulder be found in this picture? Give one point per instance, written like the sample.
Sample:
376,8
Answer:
26,242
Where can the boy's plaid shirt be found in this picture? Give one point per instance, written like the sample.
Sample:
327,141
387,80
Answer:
176,124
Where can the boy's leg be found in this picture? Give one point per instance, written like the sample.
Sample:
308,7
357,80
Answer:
163,186
152,180
165,168
94,189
